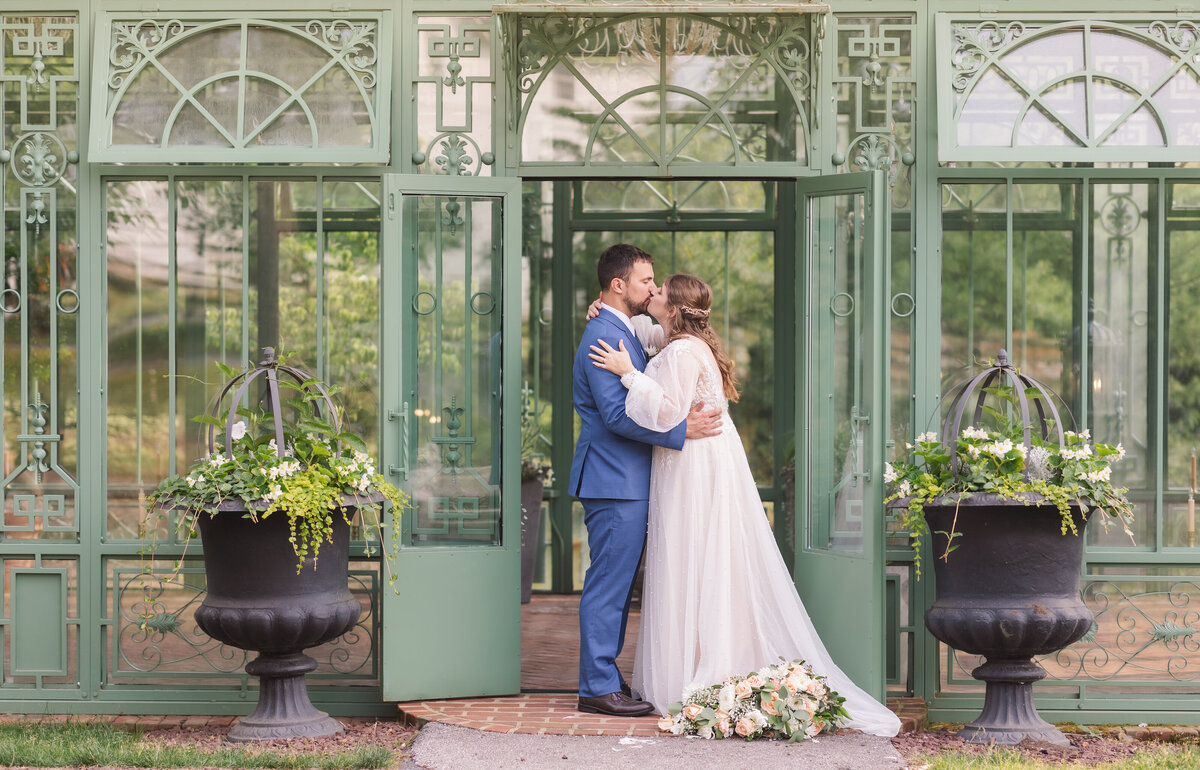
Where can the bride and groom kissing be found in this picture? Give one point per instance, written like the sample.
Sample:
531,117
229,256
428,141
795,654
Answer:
659,464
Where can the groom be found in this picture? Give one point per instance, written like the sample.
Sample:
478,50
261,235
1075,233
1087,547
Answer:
611,477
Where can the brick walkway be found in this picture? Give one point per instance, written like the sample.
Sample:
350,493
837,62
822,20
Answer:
555,714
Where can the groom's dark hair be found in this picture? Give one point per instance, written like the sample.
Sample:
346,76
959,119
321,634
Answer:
617,262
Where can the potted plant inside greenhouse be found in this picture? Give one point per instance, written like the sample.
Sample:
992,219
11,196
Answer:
536,474
273,499
1004,495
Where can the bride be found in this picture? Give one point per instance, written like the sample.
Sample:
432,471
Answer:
718,599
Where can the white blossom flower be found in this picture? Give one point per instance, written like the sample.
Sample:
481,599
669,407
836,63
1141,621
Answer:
1076,453
972,432
889,473
216,459
238,430
1120,452
974,451
191,481
927,437
999,448
1104,474
905,489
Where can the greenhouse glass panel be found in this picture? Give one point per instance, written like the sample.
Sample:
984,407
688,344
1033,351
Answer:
655,90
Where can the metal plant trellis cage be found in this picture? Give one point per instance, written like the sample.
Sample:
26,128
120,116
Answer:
974,392
272,369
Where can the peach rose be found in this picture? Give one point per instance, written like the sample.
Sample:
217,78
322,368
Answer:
810,707
691,711
743,690
768,704
665,724
745,726
776,683
755,681
723,721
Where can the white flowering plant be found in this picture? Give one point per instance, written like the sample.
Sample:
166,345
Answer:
1075,477
787,702
320,472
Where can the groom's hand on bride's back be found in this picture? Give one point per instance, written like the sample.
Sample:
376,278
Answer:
703,422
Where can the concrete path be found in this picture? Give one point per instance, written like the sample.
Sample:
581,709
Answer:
445,747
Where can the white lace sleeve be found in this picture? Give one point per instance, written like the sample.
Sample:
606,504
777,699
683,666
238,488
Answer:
650,334
663,401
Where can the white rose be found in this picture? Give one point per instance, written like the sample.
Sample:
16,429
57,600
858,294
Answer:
726,698
706,732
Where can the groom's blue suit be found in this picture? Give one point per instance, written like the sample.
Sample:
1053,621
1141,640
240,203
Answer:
610,475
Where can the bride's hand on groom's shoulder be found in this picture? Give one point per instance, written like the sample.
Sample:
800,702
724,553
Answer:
594,309
615,360
703,422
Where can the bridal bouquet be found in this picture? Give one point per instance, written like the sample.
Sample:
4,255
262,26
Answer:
785,701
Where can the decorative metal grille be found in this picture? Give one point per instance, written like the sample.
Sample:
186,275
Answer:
657,90
39,299
454,86
1090,89
169,647
242,90
876,97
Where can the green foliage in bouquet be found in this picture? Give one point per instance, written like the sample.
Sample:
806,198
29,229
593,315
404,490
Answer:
788,701
1075,477
320,472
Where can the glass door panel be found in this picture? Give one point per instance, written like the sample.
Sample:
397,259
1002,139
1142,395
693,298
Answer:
451,436
841,375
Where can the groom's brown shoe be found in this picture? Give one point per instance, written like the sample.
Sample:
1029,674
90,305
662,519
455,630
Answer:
615,704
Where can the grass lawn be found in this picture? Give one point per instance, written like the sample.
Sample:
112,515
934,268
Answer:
1163,758
92,744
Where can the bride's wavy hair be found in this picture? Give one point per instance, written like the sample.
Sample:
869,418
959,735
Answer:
692,299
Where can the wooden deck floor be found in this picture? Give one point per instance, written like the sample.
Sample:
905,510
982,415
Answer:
550,643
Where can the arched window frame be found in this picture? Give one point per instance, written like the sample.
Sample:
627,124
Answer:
127,43
971,46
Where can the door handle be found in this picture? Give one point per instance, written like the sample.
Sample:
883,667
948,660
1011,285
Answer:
859,420
400,470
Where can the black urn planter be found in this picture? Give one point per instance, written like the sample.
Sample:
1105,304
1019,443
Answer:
1008,592
257,601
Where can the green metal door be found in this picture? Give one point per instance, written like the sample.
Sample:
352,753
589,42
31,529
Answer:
452,336
841,378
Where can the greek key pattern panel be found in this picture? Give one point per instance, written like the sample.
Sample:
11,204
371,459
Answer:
876,93
153,636
39,298
454,86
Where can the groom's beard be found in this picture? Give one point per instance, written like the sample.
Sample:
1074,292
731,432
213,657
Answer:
634,310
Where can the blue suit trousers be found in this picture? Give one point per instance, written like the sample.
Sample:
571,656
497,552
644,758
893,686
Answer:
616,535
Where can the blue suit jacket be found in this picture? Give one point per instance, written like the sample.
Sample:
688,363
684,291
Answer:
612,456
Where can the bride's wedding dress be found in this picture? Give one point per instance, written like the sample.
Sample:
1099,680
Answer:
718,599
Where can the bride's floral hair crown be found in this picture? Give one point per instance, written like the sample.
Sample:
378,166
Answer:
694,312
